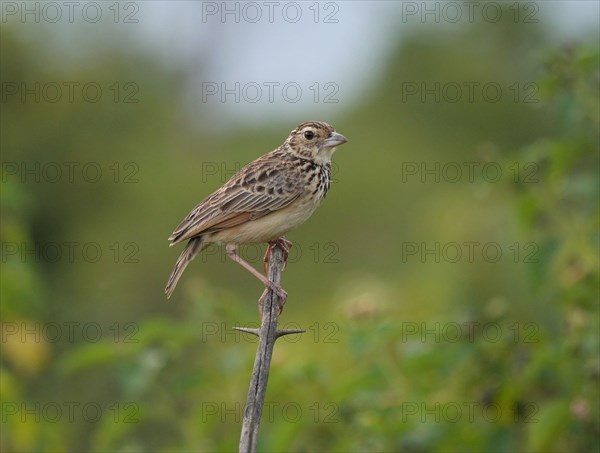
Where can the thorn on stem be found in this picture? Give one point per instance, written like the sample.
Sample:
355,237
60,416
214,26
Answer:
279,333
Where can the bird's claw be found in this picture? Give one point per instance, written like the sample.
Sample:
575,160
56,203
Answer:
278,290
267,259
285,246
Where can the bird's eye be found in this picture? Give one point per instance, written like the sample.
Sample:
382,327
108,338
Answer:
309,135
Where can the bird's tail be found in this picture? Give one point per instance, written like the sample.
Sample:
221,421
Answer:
193,247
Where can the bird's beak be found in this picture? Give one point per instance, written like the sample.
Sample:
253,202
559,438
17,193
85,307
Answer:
334,140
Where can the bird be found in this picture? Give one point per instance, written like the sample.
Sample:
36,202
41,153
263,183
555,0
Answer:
262,202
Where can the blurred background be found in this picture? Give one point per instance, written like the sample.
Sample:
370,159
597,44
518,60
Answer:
448,284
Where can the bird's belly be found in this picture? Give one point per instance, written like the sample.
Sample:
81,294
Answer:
268,227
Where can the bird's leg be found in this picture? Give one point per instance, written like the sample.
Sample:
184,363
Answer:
285,246
268,283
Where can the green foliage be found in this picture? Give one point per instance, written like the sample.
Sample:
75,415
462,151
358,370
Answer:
381,367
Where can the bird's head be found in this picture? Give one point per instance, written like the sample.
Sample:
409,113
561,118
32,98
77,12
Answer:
315,141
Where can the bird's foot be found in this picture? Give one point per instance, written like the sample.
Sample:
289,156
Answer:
277,289
285,246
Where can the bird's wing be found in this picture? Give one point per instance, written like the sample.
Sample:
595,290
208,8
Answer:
263,186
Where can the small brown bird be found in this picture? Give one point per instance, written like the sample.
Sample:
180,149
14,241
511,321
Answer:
264,200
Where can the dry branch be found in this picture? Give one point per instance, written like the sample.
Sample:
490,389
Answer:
267,335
